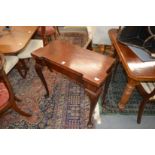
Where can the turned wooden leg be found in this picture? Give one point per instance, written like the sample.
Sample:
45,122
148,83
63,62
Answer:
38,68
18,110
93,101
126,94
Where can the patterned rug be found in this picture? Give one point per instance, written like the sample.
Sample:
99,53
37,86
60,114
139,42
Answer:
66,107
114,94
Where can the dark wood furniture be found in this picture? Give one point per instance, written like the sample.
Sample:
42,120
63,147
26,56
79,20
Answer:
147,90
7,97
137,71
84,66
46,33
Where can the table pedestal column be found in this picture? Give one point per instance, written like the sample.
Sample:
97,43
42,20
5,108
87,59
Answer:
127,93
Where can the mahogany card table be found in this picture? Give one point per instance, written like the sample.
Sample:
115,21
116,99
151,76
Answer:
88,68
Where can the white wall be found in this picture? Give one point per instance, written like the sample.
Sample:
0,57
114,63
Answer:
100,34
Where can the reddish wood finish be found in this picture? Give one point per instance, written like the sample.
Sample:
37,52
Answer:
86,67
137,70
11,42
47,32
146,99
10,102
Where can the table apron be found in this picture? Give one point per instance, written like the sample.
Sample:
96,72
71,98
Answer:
78,77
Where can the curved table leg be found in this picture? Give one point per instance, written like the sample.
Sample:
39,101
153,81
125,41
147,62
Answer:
49,68
127,93
93,101
38,68
141,110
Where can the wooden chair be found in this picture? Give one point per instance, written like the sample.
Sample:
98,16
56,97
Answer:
44,32
47,32
26,54
147,90
7,97
78,35
12,62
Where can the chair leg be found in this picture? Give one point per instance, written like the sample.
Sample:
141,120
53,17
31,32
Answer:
21,65
18,67
18,110
141,110
24,66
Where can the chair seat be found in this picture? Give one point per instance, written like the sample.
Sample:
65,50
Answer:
48,31
10,62
32,46
4,95
149,87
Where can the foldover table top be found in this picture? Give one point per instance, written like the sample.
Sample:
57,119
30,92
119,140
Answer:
88,68
91,65
14,40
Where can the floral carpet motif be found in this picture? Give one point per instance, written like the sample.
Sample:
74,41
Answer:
114,94
66,107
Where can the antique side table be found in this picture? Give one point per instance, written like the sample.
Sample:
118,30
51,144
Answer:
88,68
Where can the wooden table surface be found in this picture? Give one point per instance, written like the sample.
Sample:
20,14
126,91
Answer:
137,70
11,42
93,66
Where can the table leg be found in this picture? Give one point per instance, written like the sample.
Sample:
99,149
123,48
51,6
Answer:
38,68
127,93
93,101
49,68
108,80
